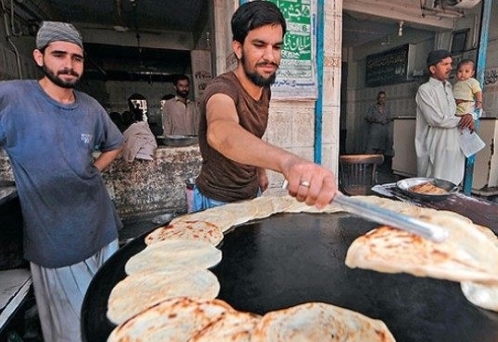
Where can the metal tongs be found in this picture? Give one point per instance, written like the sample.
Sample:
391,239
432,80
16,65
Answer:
391,218
381,215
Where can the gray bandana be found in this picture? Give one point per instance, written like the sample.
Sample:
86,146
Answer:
52,31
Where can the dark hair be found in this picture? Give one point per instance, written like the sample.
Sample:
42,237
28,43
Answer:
127,118
466,61
137,114
179,78
437,56
382,92
134,96
167,97
115,116
254,14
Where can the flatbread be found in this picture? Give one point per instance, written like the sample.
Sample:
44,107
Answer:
484,296
265,206
240,212
231,326
190,230
279,204
173,256
384,202
141,290
301,207
319,322
232,214
391,250
217,216
173,320
467,255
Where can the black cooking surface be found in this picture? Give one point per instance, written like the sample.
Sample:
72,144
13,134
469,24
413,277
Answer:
290,259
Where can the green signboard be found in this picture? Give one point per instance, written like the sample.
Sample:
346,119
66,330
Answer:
296,77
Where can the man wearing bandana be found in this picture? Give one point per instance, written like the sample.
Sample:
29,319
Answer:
70,223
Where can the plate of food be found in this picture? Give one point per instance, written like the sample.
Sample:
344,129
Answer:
430,189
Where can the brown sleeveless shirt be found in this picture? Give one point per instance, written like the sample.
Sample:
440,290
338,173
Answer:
223,179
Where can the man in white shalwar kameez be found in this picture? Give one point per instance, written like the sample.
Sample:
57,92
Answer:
437,128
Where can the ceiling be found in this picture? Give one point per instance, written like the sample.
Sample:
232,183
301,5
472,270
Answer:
115,60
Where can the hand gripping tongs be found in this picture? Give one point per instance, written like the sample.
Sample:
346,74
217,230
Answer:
391,218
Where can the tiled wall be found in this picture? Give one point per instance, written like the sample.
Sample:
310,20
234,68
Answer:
291,127
400,98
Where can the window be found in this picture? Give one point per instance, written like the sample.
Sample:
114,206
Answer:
459,41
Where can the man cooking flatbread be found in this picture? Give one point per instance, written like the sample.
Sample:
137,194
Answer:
70,224
438,128
234,116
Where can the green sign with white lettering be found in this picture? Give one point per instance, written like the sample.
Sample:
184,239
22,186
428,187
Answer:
296,77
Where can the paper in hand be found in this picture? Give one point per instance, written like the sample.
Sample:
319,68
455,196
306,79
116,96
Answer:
470,143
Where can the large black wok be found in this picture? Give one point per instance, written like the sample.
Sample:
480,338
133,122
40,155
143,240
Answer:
290,259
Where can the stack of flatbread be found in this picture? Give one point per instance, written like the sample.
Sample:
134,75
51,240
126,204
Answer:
175,319
191,319
232,214
155,287
209,225
164,270
177,293
469,255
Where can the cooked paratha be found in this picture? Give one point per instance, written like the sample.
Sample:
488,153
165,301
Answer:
484,296
173,320
190,230
174,255
467,254
302,207
232,214
217,216
144,289
319,322
232,326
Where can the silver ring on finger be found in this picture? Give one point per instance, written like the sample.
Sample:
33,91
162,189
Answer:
305,184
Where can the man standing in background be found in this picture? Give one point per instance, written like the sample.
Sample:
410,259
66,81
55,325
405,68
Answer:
50,131
438,128
180,115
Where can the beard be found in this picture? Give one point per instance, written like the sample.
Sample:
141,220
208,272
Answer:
52,76
182,93
256,78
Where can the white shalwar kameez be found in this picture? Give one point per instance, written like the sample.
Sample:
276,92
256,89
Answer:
437,133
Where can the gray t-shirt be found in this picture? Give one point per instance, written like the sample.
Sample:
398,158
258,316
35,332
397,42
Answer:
68,214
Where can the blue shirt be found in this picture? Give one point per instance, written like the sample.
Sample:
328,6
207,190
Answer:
68,214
